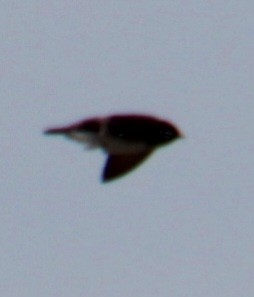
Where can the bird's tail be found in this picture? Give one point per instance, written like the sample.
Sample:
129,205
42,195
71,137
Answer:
52,131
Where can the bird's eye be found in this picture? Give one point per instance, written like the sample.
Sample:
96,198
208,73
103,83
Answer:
165,133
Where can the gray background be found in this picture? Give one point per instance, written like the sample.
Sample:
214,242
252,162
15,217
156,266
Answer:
180,225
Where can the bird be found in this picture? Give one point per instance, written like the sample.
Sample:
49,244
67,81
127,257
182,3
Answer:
127,139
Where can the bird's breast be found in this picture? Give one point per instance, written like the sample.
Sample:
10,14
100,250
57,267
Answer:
118,146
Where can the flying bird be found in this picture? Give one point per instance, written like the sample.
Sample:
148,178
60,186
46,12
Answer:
127,139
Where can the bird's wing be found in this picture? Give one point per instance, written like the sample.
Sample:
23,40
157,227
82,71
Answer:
118,165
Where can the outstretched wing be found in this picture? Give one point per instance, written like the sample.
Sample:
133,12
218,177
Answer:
118,165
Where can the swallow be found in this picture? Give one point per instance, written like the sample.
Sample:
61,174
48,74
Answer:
127,139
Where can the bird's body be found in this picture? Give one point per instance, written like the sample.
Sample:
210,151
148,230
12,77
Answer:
128,139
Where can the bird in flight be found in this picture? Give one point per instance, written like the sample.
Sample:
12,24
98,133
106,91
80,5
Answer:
127,139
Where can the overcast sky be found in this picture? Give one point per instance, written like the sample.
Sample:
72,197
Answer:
180,225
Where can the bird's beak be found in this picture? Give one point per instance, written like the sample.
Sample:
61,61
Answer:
181,135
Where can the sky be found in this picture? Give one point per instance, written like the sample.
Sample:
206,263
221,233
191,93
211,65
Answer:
182,223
